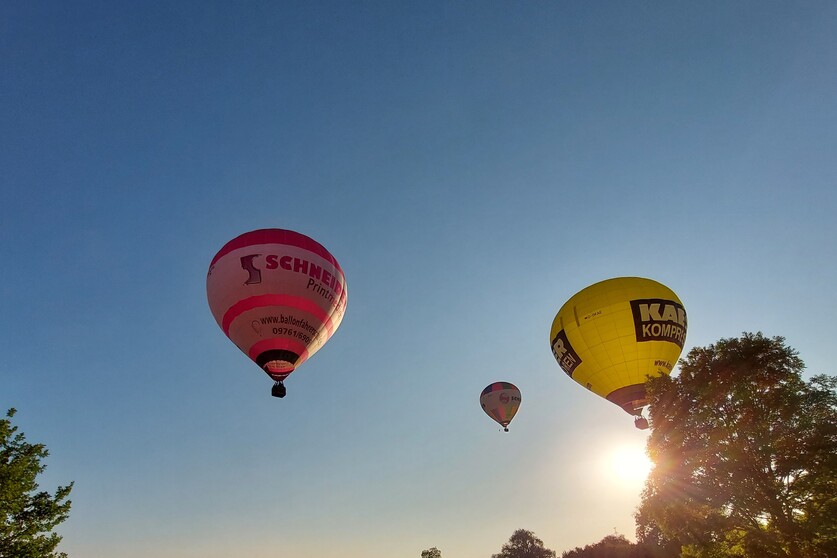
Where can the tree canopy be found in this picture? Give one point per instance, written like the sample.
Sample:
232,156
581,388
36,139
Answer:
745,454
524,544
27,517
613,546
431,552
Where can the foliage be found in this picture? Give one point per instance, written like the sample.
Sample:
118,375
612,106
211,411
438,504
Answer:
431,552
27,517
745,453
524,544
616,546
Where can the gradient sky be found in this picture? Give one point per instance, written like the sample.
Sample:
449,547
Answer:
471,165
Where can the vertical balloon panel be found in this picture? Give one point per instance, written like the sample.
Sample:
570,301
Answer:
278,295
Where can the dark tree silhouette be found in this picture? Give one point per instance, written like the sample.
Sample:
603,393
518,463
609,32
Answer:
524,544
617,546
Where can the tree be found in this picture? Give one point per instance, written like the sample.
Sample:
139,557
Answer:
524,544
431,552
745,453
616,546
27,517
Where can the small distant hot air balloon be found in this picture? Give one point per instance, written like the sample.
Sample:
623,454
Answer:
500,401
279,296
612,335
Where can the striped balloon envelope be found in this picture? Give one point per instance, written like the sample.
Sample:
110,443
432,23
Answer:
278,295
500,401
611,336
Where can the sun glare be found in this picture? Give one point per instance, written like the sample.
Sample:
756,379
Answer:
629,464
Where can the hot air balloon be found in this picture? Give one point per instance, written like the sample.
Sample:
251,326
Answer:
612,335
500,401
279,296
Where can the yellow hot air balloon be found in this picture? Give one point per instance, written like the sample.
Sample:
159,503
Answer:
612,335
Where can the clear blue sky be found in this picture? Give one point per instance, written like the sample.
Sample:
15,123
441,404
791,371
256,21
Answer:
471,165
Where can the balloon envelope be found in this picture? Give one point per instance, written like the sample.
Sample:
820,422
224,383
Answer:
500,401
278,295
610,336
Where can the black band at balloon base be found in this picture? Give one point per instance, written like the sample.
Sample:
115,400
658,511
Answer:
277,363
631,398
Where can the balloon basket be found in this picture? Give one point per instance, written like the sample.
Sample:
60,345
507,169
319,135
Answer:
278,390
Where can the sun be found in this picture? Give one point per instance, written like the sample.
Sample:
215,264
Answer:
628,464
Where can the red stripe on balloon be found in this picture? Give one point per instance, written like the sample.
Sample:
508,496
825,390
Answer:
276,300
277,236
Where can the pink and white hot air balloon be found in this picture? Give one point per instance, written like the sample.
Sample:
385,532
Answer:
279,296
